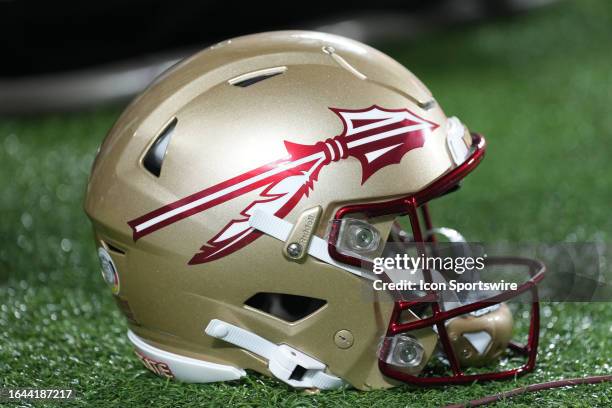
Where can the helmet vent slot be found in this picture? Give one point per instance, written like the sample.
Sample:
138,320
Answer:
252,78
289,308
112,248
154,158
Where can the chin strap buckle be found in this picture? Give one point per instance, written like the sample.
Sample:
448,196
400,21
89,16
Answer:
284,362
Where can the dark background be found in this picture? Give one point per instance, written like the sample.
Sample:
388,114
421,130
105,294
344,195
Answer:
66,55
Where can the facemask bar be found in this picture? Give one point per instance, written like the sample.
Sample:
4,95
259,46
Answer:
409,206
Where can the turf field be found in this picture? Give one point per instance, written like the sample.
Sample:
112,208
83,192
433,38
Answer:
539,86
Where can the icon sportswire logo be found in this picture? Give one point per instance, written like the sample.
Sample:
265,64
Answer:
375,136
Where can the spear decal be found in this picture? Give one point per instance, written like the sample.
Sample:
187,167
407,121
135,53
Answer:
375,136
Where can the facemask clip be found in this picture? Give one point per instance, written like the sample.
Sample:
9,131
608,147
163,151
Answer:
356,238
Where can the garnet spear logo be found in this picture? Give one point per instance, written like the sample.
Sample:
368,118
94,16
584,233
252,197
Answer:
375,136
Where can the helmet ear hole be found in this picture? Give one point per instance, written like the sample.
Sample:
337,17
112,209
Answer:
289,308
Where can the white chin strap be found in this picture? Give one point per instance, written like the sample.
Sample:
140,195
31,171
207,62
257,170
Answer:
284,362
280,229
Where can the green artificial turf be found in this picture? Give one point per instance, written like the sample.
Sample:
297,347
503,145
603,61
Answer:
539,86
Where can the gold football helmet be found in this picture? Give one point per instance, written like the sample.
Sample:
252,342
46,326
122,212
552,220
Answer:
237,202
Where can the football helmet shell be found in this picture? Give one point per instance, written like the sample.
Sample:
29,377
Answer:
277,123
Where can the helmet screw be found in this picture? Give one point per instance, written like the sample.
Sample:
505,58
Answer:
294,249
408,353
364,237
344,339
